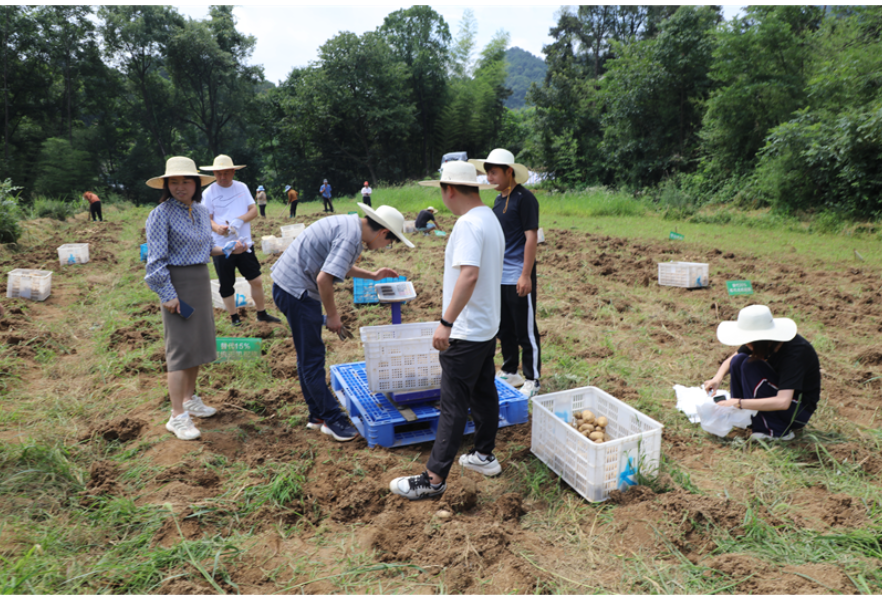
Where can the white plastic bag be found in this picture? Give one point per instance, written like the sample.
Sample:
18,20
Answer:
701,408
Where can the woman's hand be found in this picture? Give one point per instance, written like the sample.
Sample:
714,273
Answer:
730,402
240,248
712,385
173,306
383,273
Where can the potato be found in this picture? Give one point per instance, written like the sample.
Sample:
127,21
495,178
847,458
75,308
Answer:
587,434
602,421
587,415
586,427
606,437
595,436
579,422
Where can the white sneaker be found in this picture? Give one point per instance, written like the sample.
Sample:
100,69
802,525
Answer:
530,388
489,466
182,426
764,436
512,379
196,408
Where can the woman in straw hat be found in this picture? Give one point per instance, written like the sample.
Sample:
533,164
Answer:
774,372
179,243
303,284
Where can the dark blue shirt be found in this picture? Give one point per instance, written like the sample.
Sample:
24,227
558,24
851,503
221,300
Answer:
517,214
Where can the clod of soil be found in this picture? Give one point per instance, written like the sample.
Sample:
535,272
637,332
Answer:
123,429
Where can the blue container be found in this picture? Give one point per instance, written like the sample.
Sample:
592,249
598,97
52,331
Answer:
364,291
143,252
381,424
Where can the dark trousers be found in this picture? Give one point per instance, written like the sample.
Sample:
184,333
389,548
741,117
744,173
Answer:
467,383
292,211
518,331
305,320
95,211
757,379
328,206
262,208
367,200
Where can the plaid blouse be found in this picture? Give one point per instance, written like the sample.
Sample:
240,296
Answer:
176,236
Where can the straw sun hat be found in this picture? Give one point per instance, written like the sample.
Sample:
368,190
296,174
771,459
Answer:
457,172
222,162
179,166
389,218
500,156
755,323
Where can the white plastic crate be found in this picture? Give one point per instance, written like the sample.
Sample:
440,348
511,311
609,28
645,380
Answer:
268,244
293,230
593,469
683,274
241,293
282,244
29,283
409,226
540,236
73,254
401,357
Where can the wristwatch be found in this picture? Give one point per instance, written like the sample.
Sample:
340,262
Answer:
446,323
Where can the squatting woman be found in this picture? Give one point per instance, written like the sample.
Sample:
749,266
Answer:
178,246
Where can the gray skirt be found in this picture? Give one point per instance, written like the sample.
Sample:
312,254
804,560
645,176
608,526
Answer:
190,342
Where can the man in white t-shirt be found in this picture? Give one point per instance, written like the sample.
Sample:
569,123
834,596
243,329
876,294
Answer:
466,336
232,209
366,192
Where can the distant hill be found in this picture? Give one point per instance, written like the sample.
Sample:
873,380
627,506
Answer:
523,69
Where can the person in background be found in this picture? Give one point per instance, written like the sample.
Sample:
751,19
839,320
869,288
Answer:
775,372
179,235
518,213
366,192
94,206
425,220
292,201
261,200
325,191
231,207
303,282
466,337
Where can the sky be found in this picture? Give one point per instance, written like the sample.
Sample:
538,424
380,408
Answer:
289,36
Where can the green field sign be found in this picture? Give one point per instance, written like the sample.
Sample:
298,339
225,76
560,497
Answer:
237,348
677,236
739,288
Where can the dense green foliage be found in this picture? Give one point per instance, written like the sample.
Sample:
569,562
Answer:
523,69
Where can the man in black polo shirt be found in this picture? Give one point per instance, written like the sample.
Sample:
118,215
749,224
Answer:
518,213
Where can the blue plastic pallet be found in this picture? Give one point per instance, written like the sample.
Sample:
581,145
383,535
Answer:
381,424
364,291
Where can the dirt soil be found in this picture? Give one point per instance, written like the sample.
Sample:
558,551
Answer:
591,282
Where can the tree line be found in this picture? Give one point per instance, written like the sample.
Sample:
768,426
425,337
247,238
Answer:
781,106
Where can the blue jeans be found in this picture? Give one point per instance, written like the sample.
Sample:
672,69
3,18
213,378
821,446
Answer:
305,320
757,379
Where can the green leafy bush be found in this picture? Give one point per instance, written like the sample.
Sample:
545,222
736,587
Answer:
60,210
10,214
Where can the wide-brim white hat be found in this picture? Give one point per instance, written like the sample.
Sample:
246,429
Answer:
755,323
457,172
222,162
179,166
500,156
388,217
432,209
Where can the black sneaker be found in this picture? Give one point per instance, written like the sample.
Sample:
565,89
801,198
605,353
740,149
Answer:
267,318
235,320
340,430
416,487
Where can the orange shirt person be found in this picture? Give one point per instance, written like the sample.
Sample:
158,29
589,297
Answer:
94,206
292,201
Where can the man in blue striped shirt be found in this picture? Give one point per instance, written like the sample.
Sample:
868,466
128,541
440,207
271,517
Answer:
303,282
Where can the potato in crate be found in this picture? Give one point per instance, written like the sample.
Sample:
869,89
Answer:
594,469
29,283
73,254
683,274
399,358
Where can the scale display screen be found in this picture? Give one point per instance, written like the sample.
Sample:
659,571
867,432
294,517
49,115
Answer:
395,292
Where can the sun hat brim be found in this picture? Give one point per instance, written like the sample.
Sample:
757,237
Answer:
234,167
730,334
474,184
156,182
373,215
521,173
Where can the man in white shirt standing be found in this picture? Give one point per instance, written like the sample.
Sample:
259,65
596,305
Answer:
232,209
366,192
466,336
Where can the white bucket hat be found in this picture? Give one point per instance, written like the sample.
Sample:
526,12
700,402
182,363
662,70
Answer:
458,172
432,210
222,162
755,323
179,166
388,217
500,156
